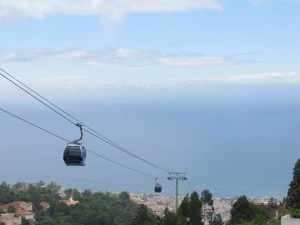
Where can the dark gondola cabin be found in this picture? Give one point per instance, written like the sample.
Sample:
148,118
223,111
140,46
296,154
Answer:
158,187
74,155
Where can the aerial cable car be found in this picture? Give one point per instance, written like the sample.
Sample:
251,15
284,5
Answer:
158,186
75,153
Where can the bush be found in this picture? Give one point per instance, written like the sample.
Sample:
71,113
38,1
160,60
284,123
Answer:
294,212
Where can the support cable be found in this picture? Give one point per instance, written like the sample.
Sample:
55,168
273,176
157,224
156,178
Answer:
51,103
138,171
129,153
190,186
92,132
185,187
64,139
26,121
37,98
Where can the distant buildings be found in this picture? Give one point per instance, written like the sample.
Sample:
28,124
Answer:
70,201
22,209
222,206
157,203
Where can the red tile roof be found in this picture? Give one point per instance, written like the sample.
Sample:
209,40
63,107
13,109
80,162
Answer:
281,212
21,212
3,218
16,204
45,205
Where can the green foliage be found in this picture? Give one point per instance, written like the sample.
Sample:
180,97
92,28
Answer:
124,196
294,212
96,207
259,221
206,198
11,209
195,209
68,193
24,221
272,203
217,220
6,194
76,195
242,210
143,217
93,209
293,195
184,208
248,213
190,208
169,218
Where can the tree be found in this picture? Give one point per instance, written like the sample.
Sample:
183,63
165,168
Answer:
124,196
76,195
217,220
206,198
293,195
195,209
272,204
40,184
86,195
190,208
184,207
94,209
143,216
19,185
24,221
242,211
11,209
6,194
169,217
68,193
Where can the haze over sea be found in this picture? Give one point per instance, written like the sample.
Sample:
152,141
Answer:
232,140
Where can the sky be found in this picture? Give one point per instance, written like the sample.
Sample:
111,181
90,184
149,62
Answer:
206,87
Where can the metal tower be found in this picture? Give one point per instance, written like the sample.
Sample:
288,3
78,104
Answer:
176,176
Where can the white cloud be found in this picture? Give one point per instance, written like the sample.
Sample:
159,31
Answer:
118,57
257,2
110,10
72,54
73,83
249,79
191,60
260,78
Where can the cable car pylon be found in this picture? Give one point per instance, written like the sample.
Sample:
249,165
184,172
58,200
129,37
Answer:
177,176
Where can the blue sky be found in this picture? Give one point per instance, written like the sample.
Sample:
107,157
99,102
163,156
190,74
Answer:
100,43
189,60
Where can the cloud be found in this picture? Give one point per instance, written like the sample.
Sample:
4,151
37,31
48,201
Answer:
121,57
177,43
257,2
80,83
249,79
260,78
14,10
191,60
